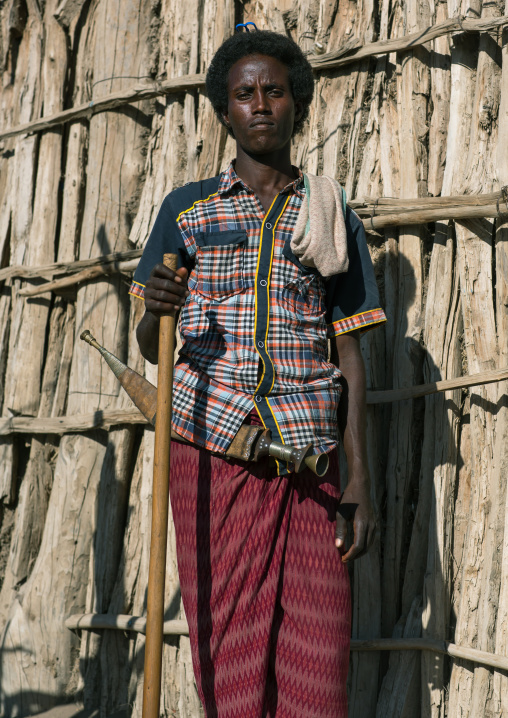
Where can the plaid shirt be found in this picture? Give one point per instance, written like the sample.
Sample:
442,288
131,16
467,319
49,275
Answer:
255,327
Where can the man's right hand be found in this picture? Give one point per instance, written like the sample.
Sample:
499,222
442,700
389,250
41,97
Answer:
165,290
165,293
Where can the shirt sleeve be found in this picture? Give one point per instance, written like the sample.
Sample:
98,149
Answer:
352,298
165,237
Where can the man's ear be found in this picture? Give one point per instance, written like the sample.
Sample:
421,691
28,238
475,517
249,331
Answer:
225,118
298,111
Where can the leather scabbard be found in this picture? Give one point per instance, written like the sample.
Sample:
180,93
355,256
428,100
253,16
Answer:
242,446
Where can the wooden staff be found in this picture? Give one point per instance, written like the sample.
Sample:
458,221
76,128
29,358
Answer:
160,506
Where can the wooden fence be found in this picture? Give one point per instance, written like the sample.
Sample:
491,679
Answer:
411,116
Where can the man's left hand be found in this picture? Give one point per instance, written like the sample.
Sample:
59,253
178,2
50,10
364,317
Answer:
356,507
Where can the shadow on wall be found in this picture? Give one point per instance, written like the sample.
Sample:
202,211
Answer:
84,517
418,448
108,659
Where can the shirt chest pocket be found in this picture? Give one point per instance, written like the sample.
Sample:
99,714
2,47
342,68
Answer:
219,273
303,296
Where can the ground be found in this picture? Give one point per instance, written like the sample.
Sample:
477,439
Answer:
71,710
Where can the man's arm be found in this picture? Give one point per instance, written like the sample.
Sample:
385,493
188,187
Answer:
355,503
165,292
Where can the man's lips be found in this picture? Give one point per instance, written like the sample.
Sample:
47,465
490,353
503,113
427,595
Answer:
262,123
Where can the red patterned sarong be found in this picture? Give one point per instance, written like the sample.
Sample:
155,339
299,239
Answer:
265,593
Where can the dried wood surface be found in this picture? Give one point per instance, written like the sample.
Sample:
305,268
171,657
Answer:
50,270
137,624
393,219
345,55
365,667
399,211
480,580
500,680
408,42
389,205
33,218
86,275
87,110
94,621
115,145
412,392
399,690
425,119
108,418
76,423
417,217
412,98
429,553
427,644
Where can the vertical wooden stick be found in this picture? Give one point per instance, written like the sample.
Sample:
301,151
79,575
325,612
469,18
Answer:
160,506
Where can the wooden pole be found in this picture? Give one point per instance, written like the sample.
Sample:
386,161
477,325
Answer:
137,624
432,215
160,507
107,418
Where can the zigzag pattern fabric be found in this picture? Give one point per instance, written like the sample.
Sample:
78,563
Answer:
265,593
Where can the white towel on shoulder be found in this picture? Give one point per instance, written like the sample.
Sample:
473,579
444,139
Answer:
319,238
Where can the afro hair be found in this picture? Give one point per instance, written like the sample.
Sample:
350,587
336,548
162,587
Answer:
260,42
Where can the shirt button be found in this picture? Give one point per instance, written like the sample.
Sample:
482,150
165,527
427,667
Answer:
261,345
263,282
259,398
268,225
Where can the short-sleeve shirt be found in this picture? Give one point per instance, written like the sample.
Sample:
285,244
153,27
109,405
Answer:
256,324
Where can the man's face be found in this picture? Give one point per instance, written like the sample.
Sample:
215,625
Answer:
261,110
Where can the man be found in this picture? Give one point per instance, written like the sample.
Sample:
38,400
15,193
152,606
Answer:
260,550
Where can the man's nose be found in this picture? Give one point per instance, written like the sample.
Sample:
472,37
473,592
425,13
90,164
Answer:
260,102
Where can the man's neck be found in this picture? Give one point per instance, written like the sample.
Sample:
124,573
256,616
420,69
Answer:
265,174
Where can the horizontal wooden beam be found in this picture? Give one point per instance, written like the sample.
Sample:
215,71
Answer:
48,271
70,424
331,60
137,624
137,93
369,206
428,644
116,417
86,275
413,392
375,213
97,621
440,214
407,42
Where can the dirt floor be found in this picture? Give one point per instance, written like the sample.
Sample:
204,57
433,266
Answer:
71,710
77,710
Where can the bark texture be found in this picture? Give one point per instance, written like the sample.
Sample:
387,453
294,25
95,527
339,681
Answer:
422,120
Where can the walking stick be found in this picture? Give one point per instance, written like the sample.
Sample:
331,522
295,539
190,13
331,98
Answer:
160,506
